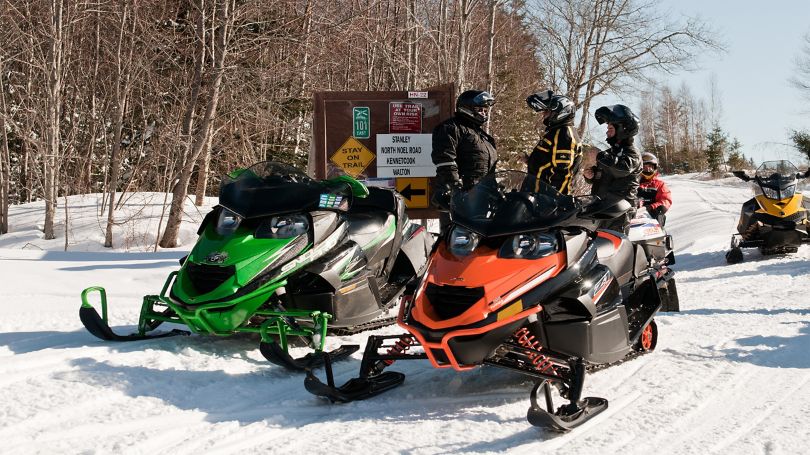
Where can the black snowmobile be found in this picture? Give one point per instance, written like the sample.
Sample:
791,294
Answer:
775,220
523,281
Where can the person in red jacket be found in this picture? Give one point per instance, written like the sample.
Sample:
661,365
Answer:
653,193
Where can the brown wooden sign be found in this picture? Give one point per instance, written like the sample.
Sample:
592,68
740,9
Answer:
346,125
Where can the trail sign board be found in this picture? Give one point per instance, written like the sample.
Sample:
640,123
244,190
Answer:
353,157
415,191
361,122
363,116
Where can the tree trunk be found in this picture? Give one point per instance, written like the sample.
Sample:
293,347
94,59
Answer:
202,168
300,121
121,94
461,54
169,239
5,161
54,100
493,4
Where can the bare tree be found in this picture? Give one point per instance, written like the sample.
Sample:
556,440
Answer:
224,21
592,47
5,161
801,78
123,73
464,9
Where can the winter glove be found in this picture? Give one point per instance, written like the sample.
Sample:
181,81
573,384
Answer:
442,197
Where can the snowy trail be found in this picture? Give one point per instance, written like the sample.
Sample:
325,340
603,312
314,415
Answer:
731,373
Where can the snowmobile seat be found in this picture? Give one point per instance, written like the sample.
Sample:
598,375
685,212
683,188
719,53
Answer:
365,227
615,251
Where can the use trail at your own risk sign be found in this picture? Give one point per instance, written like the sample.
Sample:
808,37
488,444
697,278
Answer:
404,155
353,157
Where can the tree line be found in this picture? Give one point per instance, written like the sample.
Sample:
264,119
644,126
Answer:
115,96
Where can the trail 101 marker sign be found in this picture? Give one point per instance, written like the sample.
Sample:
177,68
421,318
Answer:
404,155
361,122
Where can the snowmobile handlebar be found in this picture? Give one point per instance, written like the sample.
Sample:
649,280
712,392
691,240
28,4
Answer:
742,176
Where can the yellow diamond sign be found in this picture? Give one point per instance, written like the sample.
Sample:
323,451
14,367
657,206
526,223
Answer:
353,157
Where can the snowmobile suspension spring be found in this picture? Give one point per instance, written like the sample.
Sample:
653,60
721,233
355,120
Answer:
540,362
402,345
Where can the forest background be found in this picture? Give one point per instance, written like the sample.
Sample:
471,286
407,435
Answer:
119,96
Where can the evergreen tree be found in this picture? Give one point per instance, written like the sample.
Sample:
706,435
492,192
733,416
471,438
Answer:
801,139
736,159
718,142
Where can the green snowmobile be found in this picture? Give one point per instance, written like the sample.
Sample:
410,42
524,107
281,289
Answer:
286,256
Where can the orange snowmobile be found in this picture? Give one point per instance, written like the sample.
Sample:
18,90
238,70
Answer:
524,280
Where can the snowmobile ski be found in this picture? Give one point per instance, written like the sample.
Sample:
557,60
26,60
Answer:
568,416
276,354
98,326
353,390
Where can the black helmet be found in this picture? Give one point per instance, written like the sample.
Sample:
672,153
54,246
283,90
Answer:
621,117
562,109
471,99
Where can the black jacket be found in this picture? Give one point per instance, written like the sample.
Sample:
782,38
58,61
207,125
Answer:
617,173
556,158
462,152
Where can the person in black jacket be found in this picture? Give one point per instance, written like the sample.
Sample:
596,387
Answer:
556,157
462,151
617,172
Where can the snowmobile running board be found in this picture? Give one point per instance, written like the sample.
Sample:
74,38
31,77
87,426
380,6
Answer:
274,353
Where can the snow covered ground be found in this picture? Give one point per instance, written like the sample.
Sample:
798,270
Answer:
731,373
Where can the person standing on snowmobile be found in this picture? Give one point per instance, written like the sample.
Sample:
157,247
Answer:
557,156
653,193
617,170
462,151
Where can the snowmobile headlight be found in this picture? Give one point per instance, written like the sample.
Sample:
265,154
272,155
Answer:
463,241
283,227
788,191
227,222
528,246
770,193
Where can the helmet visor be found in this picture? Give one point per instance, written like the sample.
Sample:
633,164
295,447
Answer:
483,99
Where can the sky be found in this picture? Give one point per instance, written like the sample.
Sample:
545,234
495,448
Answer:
762,41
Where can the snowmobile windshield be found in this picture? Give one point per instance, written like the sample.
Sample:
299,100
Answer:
510,202
270,188
777,179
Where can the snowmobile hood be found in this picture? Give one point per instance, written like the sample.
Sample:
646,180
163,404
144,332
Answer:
780,208
476,285
219,266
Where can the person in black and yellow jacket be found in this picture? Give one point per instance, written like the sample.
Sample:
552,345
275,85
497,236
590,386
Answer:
557,156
